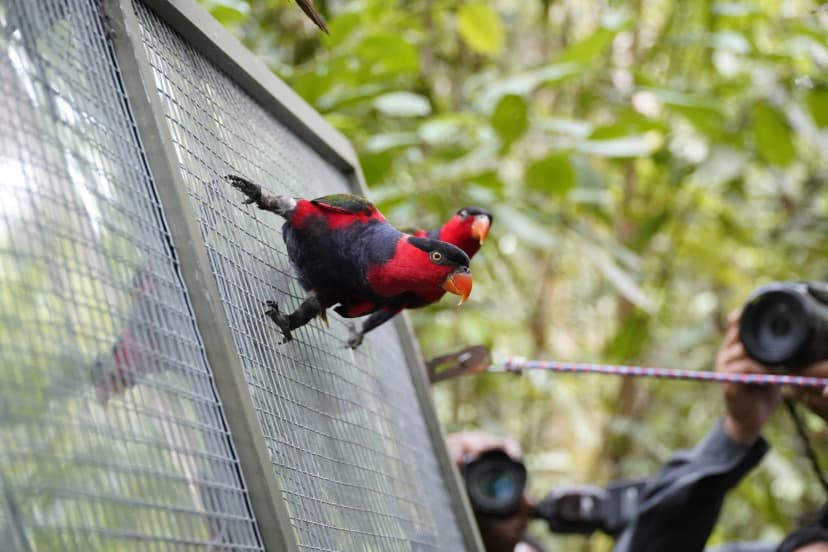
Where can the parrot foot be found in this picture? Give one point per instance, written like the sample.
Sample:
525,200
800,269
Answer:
282,320
251,190
278,204
355,337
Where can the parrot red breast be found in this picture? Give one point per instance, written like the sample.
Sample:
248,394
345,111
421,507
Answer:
467,229
346,254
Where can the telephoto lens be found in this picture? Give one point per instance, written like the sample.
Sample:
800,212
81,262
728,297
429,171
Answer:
495,483
785,324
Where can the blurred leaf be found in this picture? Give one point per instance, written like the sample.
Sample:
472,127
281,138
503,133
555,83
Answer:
228,11
622,280
730,41
630,338
383,142
385,54
342,27
524,83
627,122
648,228
510,118
629,146
342,96
817,101
480,28
772,135
403,104
488,179
552,175
446,129
525,227
588,50
376,165
734,9
312,85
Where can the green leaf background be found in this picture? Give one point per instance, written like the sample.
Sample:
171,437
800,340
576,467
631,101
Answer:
649,164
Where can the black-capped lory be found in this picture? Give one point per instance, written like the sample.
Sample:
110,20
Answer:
345,253
467,229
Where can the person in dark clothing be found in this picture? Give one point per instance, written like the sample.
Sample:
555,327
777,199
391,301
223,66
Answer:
680,506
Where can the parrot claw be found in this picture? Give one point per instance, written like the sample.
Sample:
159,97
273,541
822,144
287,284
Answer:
355,339
251,190
281,320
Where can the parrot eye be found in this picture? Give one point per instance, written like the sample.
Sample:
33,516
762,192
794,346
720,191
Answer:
463,213
436,256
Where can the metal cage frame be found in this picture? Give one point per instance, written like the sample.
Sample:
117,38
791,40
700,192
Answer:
252,75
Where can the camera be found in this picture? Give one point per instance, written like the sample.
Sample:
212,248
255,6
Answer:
495,483
785,324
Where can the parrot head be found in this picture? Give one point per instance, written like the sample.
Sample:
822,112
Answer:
424,264
467,229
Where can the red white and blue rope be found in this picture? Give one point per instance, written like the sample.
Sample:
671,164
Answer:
518,364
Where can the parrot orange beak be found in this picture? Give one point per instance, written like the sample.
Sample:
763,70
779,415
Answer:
459,283
480,228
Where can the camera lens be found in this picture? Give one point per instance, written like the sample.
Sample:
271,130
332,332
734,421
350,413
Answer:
774,327
495,483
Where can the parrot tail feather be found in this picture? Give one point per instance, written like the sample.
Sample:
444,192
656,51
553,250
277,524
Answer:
310,11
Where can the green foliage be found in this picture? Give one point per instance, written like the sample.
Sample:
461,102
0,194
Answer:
772,135
510,118
480,28
553,175
649,163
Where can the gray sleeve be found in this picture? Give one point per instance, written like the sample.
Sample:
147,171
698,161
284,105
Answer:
745,547
680,505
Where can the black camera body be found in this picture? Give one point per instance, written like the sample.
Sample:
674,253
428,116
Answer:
785,324
495,484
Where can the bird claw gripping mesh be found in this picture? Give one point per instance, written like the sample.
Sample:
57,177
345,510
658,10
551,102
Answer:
282,320
251,190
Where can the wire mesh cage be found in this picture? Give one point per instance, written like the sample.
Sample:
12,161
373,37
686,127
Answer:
344,429
111,434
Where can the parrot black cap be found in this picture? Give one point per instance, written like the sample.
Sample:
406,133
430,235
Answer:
451,253
474,211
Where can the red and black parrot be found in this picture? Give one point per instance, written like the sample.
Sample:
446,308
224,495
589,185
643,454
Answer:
467,229
346,254
129,357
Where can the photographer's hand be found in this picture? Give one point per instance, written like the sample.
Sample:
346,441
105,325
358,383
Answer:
748,406
814,398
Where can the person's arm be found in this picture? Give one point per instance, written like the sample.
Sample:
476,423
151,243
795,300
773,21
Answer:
681,504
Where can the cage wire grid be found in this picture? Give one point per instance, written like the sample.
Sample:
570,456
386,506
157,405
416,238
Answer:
344,429
111,433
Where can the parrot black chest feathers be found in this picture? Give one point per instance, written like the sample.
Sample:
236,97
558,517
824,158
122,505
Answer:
334,263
